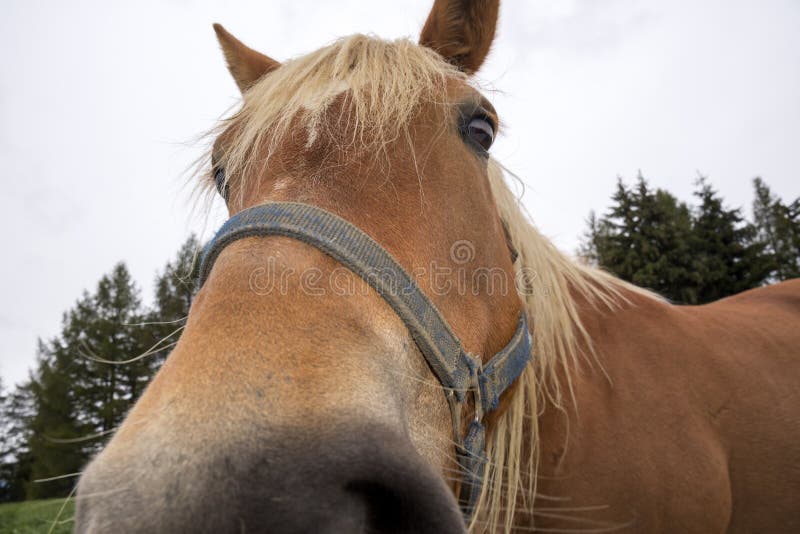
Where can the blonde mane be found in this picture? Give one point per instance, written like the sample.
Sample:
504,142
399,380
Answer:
384,82
560,341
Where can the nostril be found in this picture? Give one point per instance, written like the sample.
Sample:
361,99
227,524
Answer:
420,508
384,509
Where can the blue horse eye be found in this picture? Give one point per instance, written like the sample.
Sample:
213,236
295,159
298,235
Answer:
481,132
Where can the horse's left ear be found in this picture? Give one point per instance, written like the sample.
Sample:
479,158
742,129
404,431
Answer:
245,64
461,31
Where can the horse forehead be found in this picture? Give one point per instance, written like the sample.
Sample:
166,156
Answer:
327,167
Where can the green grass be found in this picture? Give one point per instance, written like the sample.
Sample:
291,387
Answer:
35,517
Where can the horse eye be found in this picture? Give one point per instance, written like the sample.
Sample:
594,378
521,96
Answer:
220,182
481,131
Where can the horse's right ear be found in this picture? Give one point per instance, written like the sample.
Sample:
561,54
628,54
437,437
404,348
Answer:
245,64
461,31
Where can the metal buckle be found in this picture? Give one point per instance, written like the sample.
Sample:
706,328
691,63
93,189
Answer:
457,406
455,413
477,398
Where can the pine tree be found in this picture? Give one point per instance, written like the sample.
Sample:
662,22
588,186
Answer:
726,254
175,289
645,239
104,335
176,286
88,377
16,413
778,228
7,450
588,247
691,256
84,383
54,427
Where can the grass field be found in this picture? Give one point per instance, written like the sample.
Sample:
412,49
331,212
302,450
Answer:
35,517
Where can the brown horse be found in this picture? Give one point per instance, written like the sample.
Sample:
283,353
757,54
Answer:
297,400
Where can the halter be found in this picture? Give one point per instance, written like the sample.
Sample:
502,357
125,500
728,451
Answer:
461,374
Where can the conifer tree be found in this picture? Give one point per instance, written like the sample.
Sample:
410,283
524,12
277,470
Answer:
16,412
645,239
176,285
690,256
88,377
175,288
778,227
103,335
726,254
84,383
55,425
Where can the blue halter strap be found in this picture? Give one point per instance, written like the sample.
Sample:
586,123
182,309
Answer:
461,374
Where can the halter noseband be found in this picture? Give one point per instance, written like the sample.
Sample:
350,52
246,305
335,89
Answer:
461,374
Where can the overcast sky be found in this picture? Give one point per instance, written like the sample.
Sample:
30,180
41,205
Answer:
99,103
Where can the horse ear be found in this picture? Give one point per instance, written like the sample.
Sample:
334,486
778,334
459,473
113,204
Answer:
245,64
461,31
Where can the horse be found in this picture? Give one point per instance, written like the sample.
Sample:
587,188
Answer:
303,396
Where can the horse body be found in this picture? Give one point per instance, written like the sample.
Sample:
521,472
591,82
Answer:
294,403
694,428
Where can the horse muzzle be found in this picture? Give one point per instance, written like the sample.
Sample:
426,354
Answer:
350,478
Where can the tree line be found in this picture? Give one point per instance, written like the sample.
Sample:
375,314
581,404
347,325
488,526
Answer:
694,254
111,344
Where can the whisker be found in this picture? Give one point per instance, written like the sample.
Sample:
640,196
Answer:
574,519
576,508
614,528
155,348
152,350
61,510
156,323
78,440
59,477
103,493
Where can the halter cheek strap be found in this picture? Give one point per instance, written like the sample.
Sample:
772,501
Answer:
461,374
